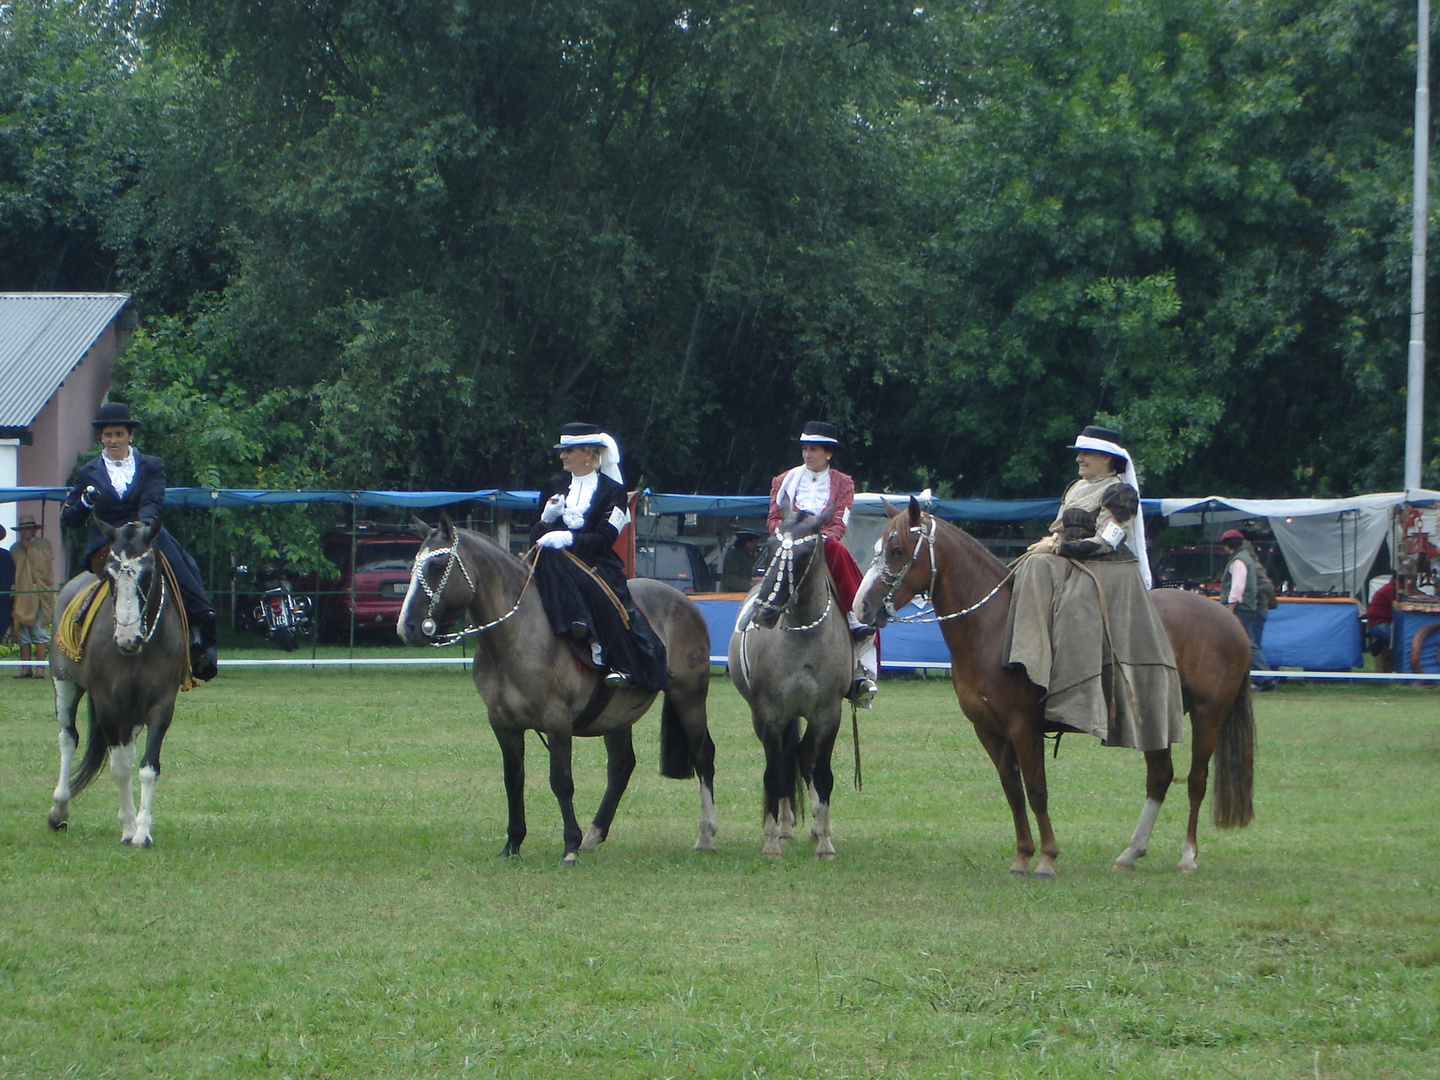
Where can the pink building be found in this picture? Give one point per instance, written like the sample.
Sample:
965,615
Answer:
56,355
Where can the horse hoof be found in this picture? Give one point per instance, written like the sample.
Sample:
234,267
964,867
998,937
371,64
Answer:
772,851
825,856
1044,875
571,858
704,845
62,825
1123,865
146,843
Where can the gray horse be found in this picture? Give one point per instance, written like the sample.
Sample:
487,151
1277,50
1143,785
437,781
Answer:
791,657
131,668
531,680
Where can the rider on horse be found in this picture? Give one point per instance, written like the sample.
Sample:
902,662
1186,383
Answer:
123,485
580,578
812,486
1082,624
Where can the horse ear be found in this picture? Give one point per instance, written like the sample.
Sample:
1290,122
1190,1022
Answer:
784,504
914,511
417,523
890,511
106,530
150,531
446,526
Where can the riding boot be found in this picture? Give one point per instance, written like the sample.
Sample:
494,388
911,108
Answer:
203,641
864,688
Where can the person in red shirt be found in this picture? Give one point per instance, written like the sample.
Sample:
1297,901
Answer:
1379,616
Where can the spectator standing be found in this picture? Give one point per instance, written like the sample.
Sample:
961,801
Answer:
1240,592
1379,622
7,585
738,572
34,606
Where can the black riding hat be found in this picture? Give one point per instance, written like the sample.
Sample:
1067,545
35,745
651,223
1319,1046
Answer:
114,412
824,434
1102,433
579,435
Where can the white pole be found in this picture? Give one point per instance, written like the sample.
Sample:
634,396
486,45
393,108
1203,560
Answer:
1415,386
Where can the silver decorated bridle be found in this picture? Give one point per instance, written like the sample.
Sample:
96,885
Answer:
428,625
924,534
784,567
130,568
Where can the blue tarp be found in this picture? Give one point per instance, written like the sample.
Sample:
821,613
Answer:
1317,635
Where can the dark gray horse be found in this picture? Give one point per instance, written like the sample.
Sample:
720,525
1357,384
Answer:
131,668
531,680
791,657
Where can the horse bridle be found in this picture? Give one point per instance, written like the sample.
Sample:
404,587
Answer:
428,625
924,534
129,569
785,558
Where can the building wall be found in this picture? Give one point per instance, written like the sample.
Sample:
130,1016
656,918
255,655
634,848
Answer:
61,433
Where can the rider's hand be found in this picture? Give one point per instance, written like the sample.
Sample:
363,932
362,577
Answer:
553,509
557,540
1046,545
87,497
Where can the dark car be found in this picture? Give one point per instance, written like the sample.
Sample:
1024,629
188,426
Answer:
380,578
1203,566
675,563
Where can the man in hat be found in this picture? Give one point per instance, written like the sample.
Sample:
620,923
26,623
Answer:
34,606
812,486
738,573
7,583
123,485
1240,592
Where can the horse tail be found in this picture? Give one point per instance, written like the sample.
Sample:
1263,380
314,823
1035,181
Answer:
95,749
676,762
1235,763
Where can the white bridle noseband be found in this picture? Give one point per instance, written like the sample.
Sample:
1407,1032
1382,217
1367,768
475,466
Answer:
131,568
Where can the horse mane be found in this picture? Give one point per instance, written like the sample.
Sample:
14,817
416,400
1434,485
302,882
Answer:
983,555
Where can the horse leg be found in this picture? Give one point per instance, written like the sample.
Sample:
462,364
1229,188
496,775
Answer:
1002,755
1030,754
562,783
702,758
1205,734
512,756
815,753
1159,772
150,770
67,700
620,750
778,738
122,769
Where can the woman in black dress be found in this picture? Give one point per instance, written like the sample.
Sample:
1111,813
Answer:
581,515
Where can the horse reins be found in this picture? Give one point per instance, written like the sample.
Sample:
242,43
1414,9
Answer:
452,553
925,536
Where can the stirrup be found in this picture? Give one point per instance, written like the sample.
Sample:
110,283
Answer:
617,679
863,691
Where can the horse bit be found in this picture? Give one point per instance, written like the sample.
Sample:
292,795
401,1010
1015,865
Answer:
429,626
786,558
924,535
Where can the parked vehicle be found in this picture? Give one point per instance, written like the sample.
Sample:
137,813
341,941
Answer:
369,593
274,609
675,563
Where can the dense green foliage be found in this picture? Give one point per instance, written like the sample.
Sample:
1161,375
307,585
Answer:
396,244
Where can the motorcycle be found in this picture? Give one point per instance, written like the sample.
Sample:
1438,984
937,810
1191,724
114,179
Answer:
278,613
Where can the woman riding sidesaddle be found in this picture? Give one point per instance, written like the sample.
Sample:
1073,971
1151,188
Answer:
1082,624
587,597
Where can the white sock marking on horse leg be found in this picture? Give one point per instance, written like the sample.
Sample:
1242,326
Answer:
122,768
148,776
709,821
1188,855
771,832
1140,841
820,831
787,818
61,809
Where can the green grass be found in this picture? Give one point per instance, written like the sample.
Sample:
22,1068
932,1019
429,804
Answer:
325,900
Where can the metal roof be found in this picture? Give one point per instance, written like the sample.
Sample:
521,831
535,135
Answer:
42,337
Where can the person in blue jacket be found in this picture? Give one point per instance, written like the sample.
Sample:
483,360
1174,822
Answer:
123,485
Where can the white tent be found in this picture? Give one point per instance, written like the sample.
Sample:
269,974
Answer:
1329,544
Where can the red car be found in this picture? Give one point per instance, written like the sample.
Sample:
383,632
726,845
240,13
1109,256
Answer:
370,593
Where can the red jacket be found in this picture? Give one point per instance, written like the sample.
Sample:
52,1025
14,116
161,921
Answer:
842,497
1381,609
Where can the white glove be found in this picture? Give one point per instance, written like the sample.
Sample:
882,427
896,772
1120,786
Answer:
559,539
553,509
87,497
573,517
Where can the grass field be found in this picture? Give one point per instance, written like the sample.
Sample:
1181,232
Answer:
325,900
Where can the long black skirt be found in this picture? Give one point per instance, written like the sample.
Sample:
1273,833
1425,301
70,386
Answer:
577,606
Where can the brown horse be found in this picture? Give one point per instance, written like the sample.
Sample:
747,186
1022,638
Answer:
919,554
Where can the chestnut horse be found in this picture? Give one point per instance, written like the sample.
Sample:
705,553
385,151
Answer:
970,589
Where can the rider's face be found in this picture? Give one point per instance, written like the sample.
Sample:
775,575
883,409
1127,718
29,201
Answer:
116,439
578,460
815,455
1092,463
